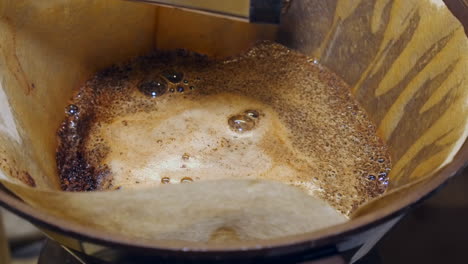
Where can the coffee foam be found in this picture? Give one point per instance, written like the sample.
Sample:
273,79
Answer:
179,117
189,138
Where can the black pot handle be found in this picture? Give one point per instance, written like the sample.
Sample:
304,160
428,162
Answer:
336,259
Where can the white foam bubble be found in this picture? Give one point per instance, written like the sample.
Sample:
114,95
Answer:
3,176
438,3
7,120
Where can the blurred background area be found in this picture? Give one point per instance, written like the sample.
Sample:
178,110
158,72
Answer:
24,240
435,232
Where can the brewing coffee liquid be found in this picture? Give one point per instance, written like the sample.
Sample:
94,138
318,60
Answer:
178,117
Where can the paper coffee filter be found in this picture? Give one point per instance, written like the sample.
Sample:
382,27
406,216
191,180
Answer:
409,72
200,212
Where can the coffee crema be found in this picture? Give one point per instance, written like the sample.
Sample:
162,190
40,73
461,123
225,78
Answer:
179,117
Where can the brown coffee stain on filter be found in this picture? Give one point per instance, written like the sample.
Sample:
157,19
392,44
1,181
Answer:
51,51
223,234
213,36
296,124
407,63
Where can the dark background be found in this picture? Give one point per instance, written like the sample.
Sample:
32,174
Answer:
460,9
435,232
